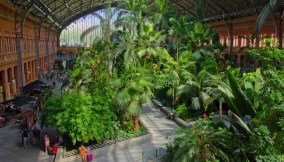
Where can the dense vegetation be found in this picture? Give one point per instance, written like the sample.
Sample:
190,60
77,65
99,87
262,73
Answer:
170,57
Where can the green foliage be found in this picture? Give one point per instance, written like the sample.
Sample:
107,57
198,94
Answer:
80,116
270,158
182,112
261,141
202,142
273,118
209,65
201,88
269,54
235,98
135,89
127,71
271,93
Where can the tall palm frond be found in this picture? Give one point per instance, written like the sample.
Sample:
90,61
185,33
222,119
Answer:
87,31
264,13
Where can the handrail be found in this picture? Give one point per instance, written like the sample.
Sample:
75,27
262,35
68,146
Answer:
155,154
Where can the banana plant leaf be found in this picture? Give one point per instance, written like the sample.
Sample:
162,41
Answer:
237,101
244,105
238,123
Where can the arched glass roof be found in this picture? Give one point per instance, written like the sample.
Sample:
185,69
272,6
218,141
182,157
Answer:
87,29
64,12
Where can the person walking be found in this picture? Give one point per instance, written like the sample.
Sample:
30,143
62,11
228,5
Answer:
46,142
25,137
36,135
83,153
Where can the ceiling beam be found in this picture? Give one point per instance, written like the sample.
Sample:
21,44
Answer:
179,5
49,12
235,12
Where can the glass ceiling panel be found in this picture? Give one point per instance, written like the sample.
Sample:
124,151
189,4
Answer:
84,31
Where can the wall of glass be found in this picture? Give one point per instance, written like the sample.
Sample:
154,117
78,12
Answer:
86,30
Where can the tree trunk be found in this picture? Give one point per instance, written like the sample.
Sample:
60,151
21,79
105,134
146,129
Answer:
135,123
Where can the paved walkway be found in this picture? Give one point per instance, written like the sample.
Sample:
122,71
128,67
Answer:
11,149
127,151
131,151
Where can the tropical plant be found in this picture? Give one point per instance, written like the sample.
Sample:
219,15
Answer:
148,49
133,18
179,71
209,65
202,89
202,143
269,55
142,50
176,33
183,111
261,141
106,22
235,98
264,13
134,90
162,14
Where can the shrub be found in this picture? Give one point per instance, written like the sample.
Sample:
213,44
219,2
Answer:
261,141
210,65
182,111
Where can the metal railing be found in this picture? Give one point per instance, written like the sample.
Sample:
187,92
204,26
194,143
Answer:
157,154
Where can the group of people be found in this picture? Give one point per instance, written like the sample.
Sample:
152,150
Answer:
26,136
36,139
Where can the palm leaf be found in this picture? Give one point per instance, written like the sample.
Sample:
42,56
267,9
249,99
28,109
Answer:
195,103
264,13
134,108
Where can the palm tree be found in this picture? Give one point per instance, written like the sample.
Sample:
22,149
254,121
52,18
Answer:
201,143
264,13
148,48
82,74
179,70
106,22
133,18
142,50
177,32
201,88
162,14
135,90
89,67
